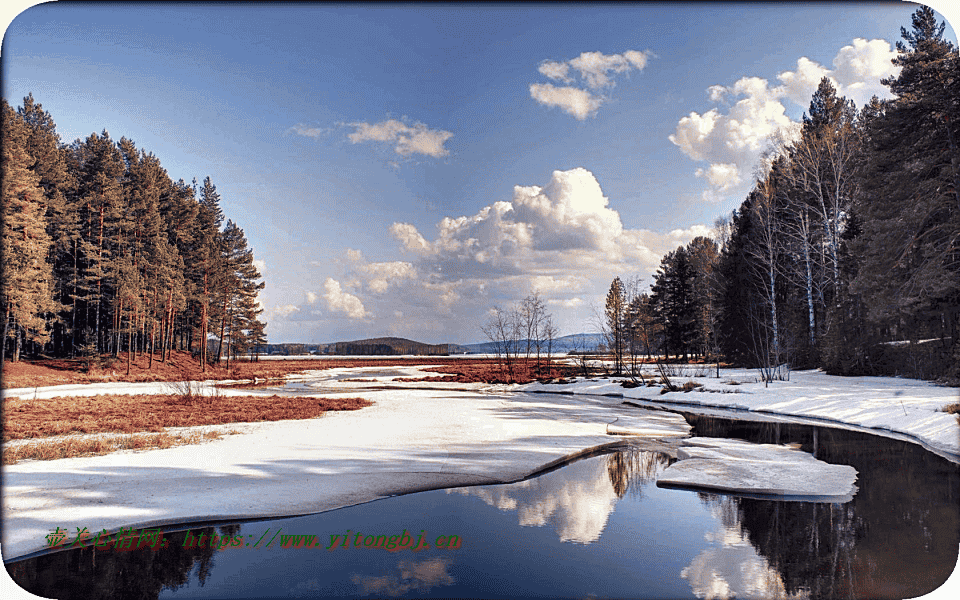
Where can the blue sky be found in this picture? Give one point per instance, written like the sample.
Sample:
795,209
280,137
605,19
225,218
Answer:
400,169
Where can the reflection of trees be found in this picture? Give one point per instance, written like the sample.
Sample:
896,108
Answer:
578,499
141,574
897,538
732,568
631,469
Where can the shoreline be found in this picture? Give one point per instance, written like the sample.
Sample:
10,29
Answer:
416,437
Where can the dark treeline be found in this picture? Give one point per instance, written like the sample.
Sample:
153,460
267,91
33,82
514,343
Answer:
103,253
846,253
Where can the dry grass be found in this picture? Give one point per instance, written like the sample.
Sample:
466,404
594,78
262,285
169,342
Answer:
181,366
37,418
490,371
53,449
953,409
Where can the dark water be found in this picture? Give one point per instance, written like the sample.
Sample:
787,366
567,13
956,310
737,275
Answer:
599,527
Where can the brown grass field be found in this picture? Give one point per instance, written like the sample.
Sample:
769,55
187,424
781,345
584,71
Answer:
26,418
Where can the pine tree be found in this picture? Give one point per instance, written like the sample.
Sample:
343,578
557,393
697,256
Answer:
238,290
26,296
52,166
909,250
675,302
614,315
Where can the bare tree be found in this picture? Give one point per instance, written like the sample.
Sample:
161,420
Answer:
822,165
498,329
765,245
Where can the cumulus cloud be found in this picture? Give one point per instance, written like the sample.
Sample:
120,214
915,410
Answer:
563,238
535,241
732,138
595,69
721,175
409,139
342,302
569,303
573,101
379,276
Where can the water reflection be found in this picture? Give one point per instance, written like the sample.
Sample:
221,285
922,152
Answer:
415,576
578,499
97,574
898,537
731,567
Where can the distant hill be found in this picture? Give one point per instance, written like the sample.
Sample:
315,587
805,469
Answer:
385,346
388,346
575,342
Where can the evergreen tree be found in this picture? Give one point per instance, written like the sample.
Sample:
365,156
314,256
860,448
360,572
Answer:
26,296
909,251
675,302
614,319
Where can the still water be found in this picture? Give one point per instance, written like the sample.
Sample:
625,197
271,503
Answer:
598,527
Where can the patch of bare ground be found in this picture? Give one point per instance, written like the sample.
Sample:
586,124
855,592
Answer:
145,416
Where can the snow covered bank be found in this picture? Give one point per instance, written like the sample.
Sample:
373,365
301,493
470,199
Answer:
881,404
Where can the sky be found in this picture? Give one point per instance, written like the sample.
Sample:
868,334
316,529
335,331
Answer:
399,170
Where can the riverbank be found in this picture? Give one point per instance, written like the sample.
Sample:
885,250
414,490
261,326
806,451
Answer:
417,435
909,408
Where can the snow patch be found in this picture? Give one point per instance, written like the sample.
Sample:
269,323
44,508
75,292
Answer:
761,469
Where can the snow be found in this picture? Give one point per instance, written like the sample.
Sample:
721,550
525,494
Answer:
432,435
890,406
758,469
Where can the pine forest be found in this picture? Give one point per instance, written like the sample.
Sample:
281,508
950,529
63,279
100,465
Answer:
103,253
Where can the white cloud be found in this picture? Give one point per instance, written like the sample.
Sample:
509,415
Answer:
379,276
721,176
342,302
311,298
595,69
732,141
574,101
410,139
410,238
563,238
533,242
569,303
555,70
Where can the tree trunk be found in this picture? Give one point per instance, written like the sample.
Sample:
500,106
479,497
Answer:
3,342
